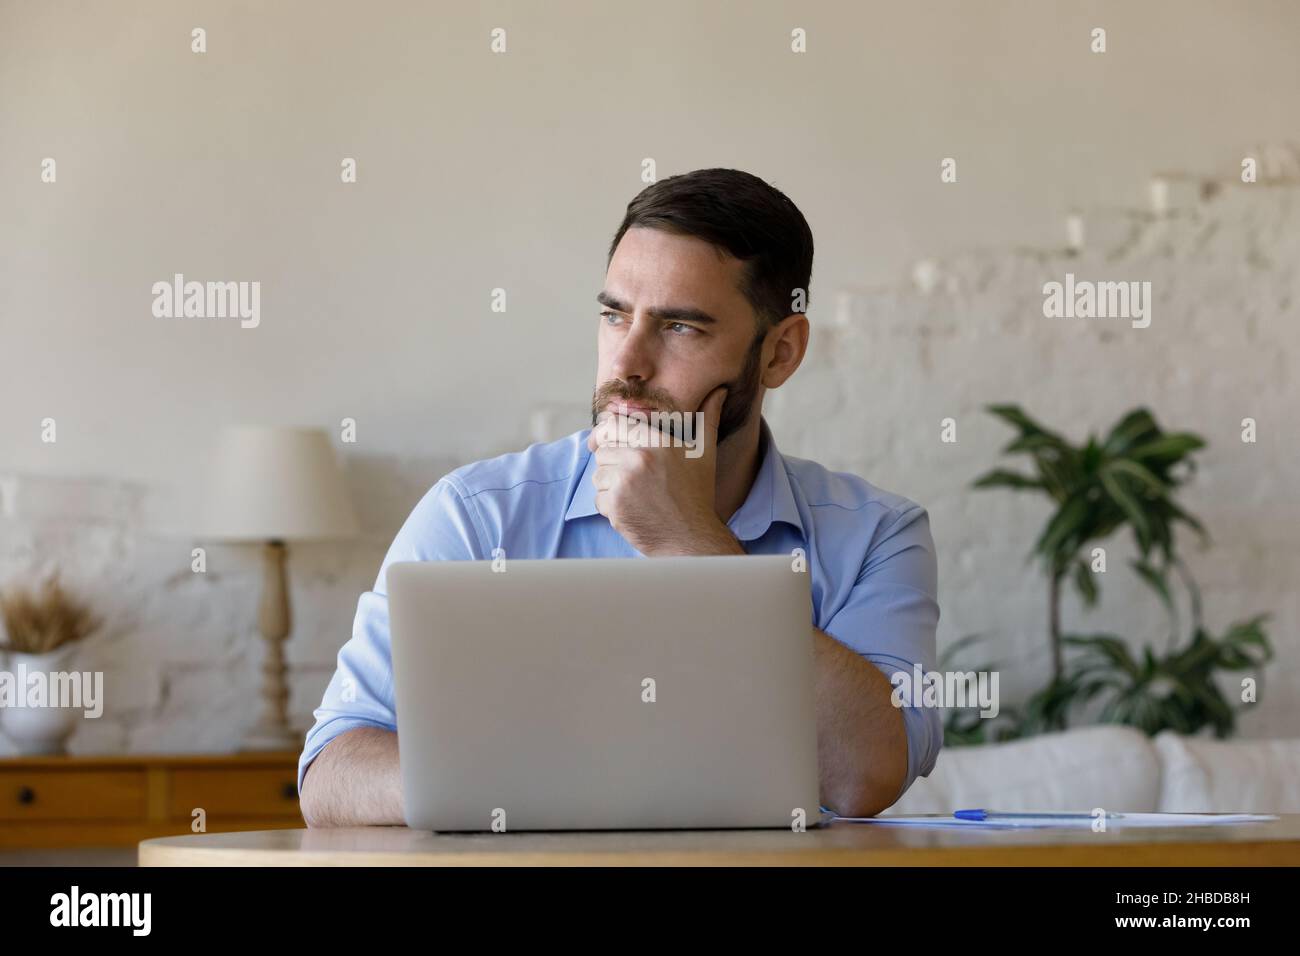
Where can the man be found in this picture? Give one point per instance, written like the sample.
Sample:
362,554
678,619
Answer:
702,312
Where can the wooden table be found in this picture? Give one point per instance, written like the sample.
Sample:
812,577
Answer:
1275,843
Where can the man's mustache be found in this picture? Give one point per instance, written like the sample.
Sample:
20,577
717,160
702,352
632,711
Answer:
617,390
669,419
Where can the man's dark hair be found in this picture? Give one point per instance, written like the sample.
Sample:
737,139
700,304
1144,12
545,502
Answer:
739,214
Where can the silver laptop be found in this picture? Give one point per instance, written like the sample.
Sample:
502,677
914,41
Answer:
598,694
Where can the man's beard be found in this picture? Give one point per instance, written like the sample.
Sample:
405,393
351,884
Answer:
742,391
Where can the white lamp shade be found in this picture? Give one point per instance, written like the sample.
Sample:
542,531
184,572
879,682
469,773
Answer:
268,483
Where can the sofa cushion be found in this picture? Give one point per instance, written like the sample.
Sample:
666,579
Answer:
1112,767
1200,775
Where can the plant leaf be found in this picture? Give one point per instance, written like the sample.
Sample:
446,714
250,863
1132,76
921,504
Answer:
1167,449
1002,478
1130,506
1085,582
1157,487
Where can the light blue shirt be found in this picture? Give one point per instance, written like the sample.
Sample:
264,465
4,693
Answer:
870,555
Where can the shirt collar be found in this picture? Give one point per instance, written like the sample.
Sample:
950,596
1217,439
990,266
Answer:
770,498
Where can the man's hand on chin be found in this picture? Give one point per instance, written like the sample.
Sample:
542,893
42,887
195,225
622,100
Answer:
658,498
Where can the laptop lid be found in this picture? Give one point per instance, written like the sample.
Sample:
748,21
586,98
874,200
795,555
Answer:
596,694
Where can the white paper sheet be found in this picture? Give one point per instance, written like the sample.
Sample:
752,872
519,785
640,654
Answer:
947,820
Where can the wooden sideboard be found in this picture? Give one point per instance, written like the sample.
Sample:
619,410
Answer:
118,801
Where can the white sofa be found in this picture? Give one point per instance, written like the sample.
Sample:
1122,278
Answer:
1115,768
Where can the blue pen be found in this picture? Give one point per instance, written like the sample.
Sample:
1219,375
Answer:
995,815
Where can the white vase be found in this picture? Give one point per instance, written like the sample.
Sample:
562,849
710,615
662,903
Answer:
37,730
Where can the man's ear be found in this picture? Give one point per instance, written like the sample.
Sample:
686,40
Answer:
784,348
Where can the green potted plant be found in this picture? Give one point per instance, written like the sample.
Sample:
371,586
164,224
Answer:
1125,480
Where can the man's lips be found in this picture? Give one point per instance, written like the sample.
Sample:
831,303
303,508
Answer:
620,407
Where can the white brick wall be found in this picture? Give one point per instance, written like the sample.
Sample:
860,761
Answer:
181,652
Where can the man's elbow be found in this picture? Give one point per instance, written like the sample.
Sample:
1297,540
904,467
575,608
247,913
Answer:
312,812
866,798
875,785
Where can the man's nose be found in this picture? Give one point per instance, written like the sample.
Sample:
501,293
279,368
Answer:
635,355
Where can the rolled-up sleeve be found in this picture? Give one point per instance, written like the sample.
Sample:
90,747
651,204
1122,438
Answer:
360,694
891,616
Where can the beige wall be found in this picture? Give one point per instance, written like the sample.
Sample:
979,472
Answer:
479,171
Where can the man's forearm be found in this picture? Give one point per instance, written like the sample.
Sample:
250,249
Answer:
861,737
354,781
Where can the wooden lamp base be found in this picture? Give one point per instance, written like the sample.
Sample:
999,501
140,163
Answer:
271,732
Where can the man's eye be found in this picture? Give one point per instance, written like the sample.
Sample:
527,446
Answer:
681,328
610,317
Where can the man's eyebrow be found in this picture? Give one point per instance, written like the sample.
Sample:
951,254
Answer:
666,314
